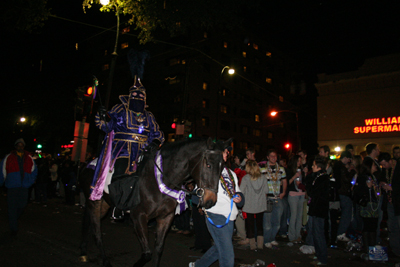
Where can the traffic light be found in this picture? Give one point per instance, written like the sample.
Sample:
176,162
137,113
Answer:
39,146
89,91
173,125
188,129
88,100
288,146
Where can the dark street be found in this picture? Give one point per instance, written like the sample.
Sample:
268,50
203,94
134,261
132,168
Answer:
50,236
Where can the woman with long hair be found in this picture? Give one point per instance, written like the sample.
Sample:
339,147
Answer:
255,189
296,198
367,194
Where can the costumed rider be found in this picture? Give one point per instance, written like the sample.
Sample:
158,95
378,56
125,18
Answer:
131,130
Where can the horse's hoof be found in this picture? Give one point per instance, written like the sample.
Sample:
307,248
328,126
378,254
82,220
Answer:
83,259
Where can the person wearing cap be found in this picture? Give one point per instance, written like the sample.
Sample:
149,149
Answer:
343,177
18,173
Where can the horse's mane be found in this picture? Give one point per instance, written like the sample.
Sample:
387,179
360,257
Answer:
173,147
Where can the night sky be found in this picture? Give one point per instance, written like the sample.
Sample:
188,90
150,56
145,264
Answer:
327,36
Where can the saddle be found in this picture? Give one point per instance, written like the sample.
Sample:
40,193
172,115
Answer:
124,192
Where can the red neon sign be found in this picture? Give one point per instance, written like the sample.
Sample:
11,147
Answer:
379,125
67,146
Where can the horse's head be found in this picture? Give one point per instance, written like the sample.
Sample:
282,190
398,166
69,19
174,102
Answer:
210,168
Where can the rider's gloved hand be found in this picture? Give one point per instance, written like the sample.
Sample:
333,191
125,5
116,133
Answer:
153,146
102,113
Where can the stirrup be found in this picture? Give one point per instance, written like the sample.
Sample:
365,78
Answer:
119,217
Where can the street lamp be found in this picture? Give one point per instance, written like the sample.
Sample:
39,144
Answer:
22,119
230,71
274,113
114,53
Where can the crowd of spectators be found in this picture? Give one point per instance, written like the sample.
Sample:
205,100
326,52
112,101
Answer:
318,201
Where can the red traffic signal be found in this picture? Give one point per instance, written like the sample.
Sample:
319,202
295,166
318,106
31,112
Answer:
89,91
173,125
287,145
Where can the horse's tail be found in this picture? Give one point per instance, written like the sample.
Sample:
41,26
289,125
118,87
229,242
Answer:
85,180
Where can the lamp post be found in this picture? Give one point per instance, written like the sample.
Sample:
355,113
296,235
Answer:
230,71
274,113
114,53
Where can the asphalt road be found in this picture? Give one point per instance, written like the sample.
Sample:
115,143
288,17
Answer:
50,236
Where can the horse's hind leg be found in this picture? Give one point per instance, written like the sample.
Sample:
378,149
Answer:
86,230
98,209
140,225
163,225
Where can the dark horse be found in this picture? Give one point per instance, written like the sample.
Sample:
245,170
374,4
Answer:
200,160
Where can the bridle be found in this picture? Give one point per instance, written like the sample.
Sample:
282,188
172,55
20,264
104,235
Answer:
201,190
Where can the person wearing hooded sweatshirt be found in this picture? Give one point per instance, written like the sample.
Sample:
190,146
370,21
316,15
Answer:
19,172
255,189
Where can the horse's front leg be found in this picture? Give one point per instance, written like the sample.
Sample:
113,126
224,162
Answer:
140,221
98,209
163,225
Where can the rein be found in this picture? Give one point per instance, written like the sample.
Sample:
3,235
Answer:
200,191
227,219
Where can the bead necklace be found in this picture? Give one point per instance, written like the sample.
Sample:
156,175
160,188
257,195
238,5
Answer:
231,193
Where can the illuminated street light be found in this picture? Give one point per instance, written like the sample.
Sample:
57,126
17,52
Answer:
337,149
273,113
22,119
230,71
114,54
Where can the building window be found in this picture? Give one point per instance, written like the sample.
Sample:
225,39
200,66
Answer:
245,130
224,109
124,45
177,99
268,80
205,103
225,44
205,35
225,125
205,121
257,147
270,135
106,52
257,118
243,145
205,85
268,54
183,61
255,46
223,92
171,137
244,68
106,67
126,30
244,54
173,80
174,61
257,132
